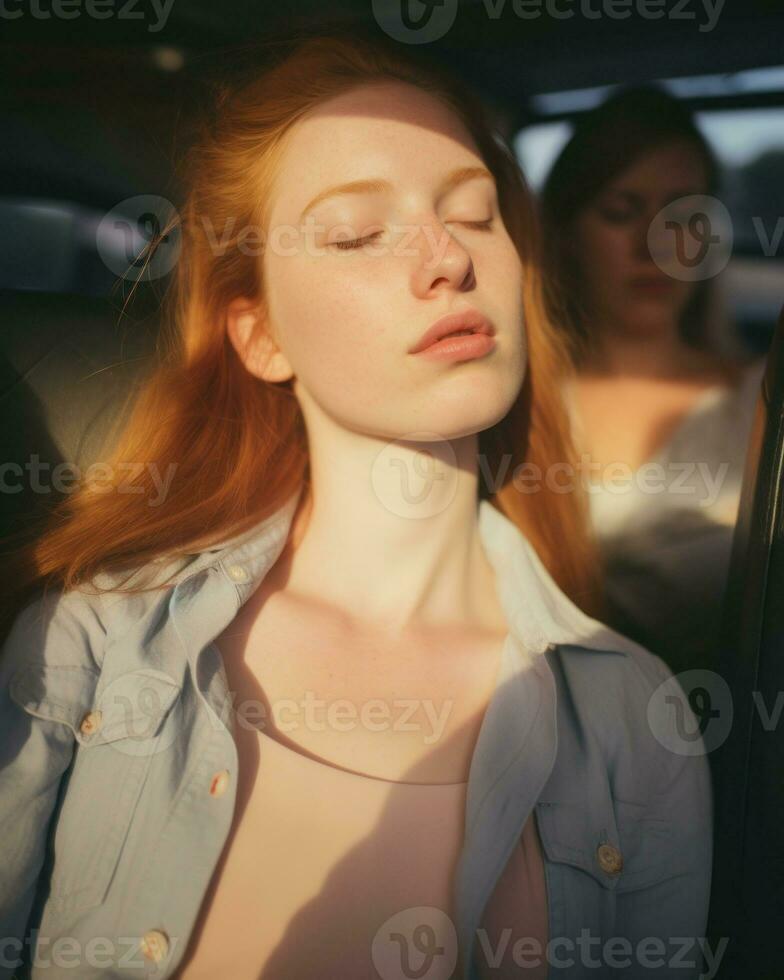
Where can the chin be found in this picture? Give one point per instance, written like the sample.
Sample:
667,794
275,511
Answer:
474,414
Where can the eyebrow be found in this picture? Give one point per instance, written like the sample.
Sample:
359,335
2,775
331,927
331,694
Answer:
376,186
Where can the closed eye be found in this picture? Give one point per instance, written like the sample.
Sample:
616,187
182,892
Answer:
356,242
480,225
359,242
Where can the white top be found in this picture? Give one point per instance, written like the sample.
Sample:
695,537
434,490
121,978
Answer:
665,529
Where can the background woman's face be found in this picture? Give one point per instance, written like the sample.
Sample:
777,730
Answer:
622,287
345,317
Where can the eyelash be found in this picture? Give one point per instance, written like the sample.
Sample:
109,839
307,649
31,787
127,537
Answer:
358,242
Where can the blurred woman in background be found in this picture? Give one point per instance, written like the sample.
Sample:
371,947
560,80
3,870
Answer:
661,414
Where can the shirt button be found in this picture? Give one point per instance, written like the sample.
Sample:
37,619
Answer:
220,782
155,945
238,573
610,859
90,723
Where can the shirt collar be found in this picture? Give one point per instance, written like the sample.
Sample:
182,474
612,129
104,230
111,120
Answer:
517,744
538,613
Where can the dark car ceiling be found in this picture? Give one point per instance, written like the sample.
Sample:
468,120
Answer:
90,111
542,54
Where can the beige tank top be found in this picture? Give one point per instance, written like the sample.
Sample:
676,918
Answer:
353,878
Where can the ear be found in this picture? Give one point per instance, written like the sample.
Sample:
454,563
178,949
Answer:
247,330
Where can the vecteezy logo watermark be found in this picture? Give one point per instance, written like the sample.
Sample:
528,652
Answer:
422,942
691,713
154,12
423,21
140,238
691,238
412,482
415,21
139,713
416,942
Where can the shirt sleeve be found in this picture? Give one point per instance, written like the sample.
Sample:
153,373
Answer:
47,672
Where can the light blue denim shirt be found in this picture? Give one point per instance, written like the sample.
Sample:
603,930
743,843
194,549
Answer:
115,719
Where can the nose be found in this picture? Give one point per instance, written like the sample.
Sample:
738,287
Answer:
441,261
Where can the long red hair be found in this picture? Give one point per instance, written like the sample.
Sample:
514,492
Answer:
239,443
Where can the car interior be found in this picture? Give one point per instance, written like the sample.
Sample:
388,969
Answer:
95,114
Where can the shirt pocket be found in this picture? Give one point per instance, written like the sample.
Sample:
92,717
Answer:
119,733
583,837
621,845
649,845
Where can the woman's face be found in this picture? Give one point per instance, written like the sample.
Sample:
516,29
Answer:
344,318
622,287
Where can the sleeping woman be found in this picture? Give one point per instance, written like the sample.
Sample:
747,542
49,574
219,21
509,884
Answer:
338,705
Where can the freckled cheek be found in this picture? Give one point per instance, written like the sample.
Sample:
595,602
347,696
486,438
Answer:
333,325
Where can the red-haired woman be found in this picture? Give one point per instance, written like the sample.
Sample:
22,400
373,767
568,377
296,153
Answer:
332,707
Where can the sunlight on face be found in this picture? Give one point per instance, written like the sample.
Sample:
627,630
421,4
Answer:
622,286
353,283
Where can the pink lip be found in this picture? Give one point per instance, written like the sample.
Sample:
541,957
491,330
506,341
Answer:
462,348
480,338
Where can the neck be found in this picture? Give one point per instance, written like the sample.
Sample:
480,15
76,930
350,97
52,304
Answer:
388,533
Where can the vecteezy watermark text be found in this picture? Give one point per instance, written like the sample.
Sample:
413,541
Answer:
691,239
155,12
425,21
67,477
422,941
